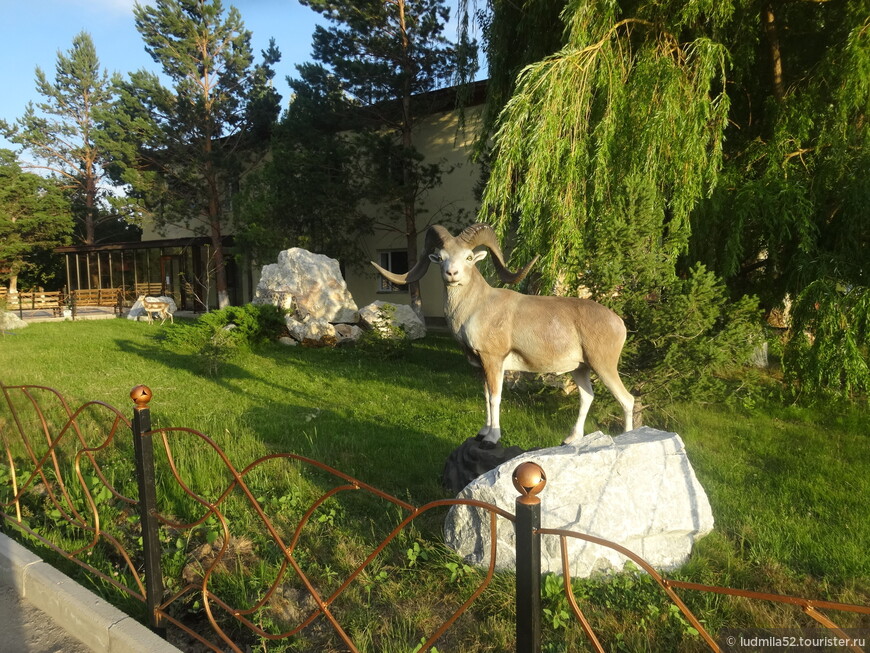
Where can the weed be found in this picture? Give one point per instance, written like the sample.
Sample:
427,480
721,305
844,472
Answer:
386,339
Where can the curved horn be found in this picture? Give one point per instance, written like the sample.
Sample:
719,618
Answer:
483,234
436,237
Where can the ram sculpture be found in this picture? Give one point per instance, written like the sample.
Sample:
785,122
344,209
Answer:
500,329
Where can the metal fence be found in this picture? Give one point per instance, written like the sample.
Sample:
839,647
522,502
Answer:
93,471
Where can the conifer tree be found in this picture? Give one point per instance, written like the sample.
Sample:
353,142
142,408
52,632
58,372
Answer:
309,192
63,134
187,144
384,52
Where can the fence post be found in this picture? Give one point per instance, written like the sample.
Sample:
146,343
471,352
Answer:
143,452
529,479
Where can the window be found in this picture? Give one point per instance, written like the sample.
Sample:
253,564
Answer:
394,261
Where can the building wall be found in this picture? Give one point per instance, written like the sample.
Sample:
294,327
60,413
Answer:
440,137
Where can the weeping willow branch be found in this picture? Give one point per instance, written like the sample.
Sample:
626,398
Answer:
613,139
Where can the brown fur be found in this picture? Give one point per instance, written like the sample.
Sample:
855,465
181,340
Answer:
501,329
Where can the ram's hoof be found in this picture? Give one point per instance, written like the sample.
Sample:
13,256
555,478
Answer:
492,437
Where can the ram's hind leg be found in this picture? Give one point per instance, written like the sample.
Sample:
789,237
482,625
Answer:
610,378
584,388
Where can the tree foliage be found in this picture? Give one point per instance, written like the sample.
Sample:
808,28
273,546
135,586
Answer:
660,134
789,219
64,135
308,193
185,145
35,217
383,54
830,339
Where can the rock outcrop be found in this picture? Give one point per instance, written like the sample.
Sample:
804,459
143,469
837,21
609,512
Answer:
637,490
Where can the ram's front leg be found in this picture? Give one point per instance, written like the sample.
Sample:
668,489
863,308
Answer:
492,385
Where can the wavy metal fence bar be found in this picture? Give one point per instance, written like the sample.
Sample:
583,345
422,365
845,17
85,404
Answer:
77,465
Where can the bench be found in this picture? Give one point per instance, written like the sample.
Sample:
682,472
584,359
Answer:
97,297
148,289
51,300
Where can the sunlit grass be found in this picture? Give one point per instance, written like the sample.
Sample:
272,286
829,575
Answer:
788,485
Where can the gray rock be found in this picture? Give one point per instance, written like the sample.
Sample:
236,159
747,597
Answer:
9,321
347,332
381,316
638,490
308,282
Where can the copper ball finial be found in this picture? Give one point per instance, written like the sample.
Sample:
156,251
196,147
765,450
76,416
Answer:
141,395
529,479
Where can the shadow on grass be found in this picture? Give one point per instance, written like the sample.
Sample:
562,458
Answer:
316,415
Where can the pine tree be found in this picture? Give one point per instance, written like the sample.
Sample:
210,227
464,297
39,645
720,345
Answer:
63,134
186,146
384,53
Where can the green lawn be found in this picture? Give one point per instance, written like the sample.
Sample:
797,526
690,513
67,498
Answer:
789,486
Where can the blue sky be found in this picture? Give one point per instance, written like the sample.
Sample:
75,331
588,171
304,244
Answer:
32,32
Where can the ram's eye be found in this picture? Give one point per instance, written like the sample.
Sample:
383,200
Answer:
437,257
470,258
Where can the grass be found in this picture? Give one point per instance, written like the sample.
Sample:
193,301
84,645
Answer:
788,485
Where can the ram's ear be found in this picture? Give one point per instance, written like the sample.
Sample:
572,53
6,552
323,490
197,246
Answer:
479,256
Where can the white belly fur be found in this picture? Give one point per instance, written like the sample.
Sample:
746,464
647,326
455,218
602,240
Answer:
516,363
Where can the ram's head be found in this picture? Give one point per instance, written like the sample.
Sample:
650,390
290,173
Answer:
456,257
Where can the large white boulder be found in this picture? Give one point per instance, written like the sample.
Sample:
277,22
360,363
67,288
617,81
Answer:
638,490
310,283
384,317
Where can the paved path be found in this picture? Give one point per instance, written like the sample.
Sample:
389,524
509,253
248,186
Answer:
27,629
45,611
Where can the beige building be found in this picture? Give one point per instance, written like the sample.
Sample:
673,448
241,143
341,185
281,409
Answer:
445,137
175,261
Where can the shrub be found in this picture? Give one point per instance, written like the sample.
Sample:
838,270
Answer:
386,339
217,337
685,335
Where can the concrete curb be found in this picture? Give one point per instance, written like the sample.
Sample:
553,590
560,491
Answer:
80,612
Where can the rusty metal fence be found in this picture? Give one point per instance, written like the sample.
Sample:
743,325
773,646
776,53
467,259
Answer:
92,471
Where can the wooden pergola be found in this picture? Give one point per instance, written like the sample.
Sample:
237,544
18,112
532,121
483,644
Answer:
176,267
